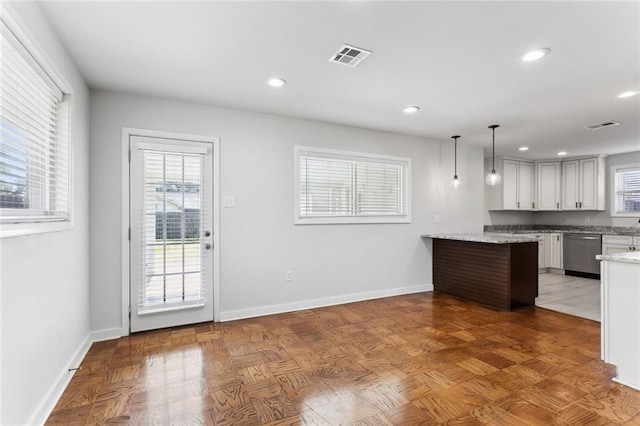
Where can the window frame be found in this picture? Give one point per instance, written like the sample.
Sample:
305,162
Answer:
612,179
33,54
404,162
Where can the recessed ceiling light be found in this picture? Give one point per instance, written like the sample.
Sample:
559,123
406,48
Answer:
276,82
523,148
534,55
411,109
627,94
561,153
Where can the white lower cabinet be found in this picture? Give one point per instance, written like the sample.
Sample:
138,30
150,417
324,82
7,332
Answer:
620,322
612,244
554,250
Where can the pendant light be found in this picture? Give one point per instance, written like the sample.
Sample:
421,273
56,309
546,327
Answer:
493,178
456,181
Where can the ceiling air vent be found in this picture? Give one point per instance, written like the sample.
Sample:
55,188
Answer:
602,124
349,55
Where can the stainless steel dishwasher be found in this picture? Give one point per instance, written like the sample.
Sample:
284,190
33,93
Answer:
579,252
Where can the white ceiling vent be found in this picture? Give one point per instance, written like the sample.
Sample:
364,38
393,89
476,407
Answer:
602,124
349,55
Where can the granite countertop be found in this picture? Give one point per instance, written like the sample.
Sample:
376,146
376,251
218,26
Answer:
480,238
572,229
629,257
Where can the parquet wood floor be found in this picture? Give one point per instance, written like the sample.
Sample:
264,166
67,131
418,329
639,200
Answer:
410,360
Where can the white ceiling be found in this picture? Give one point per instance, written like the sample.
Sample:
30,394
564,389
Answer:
460,62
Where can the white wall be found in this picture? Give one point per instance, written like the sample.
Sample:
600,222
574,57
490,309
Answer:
258,239
44,278
582,218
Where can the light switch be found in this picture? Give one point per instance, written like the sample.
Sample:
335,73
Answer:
229,201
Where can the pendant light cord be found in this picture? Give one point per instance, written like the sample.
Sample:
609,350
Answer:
493,148
493,152
455,157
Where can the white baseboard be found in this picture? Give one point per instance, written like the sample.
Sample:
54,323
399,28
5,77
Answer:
318,303
55,392
107,334
46,407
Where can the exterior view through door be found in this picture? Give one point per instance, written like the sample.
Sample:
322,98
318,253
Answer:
171,247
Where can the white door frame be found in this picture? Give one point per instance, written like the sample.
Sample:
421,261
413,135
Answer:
127,132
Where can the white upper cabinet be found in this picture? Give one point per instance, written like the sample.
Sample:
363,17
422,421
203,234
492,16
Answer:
548,185
583,184
516,191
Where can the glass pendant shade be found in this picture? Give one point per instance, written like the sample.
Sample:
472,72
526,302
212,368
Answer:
493,178
456,182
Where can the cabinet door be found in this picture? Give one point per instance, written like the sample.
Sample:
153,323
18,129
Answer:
548,186
525,186
554,249
588,197
510,185
570,185
613,249
542,261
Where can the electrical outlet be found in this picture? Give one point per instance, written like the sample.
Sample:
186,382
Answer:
289,277
436,218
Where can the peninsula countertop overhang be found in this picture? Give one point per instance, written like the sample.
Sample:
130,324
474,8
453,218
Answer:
481,238
628,257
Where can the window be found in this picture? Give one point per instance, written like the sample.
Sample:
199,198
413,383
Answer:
350,187
625,198
34,145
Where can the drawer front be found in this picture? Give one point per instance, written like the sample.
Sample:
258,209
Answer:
626,240
636,241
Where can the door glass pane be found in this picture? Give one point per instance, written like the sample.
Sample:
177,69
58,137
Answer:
173,222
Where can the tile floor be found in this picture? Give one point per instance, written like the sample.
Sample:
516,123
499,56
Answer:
570,295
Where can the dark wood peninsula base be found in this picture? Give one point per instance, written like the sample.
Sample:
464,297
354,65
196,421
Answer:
501,275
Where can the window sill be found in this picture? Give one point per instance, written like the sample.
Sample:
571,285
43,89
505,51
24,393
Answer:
24,229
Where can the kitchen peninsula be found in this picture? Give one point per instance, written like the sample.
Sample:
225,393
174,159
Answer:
620,294
496,271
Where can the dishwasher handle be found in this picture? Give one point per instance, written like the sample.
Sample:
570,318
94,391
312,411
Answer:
581,237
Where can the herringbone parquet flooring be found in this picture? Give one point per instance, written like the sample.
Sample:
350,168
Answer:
409,360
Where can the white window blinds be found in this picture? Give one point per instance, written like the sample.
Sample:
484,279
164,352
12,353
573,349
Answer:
627,189
34,151
333,185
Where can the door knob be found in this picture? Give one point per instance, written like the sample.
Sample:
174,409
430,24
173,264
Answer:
207,233
207,246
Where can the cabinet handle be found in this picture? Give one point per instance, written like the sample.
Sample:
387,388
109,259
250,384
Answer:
580,204
557,237
533,205
576,204
630,249
518,204
557,205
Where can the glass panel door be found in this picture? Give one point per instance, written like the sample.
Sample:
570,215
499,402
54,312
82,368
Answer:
171,238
